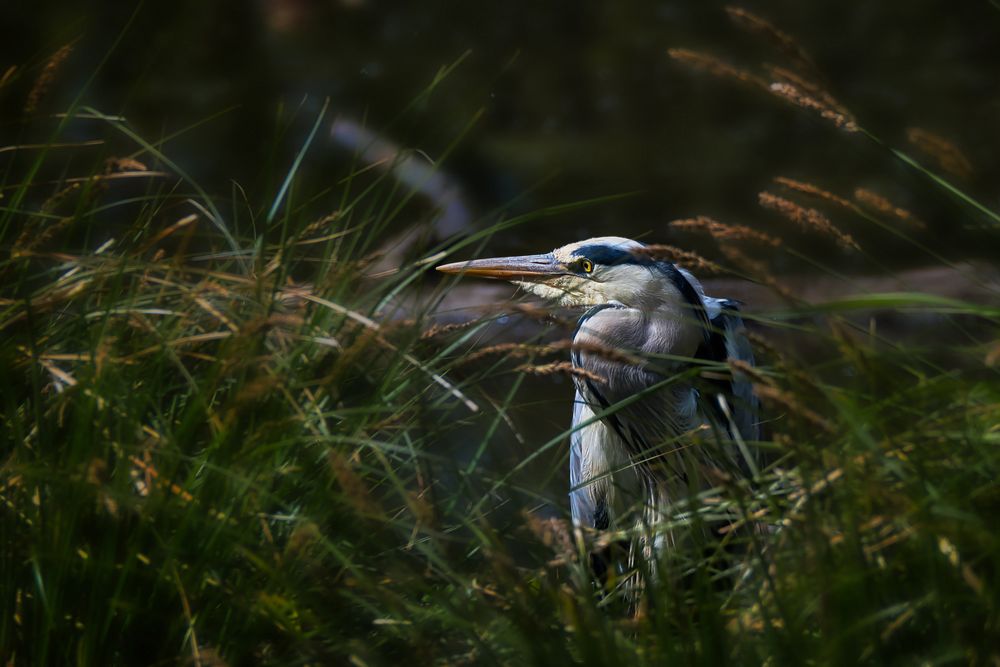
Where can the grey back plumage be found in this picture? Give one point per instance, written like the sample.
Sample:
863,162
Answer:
641,445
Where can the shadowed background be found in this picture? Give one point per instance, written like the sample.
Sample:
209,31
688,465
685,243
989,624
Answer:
577,100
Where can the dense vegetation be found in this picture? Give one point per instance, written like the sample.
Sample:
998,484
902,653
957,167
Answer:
232,434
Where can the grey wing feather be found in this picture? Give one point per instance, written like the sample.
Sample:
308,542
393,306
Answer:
744,403
580,500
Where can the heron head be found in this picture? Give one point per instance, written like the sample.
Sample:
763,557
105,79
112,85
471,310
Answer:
599,270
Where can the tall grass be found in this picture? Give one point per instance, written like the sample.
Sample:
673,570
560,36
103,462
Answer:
223,442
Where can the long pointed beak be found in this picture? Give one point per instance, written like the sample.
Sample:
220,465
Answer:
524,267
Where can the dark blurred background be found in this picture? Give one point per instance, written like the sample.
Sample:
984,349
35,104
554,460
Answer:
578,99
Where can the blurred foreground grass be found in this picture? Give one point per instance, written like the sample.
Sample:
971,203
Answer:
223,443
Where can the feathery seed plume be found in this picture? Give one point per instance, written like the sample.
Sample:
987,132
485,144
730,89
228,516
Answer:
785,42
757,270
8,75
808,218
884,206
810,87
787,400
46,77
689,260
560,367
724,232
948,156
439,329
712,65
799,98
813,191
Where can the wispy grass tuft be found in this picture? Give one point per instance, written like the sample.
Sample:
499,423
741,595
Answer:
807,218
232,444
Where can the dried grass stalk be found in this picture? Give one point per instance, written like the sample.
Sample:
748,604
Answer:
597,350
441,329
556,534
352,485
513,350
776,396
765,389
757,270
813,191
689,260
37,233
808,218
763,345
560,367
519,350
948,156
724,232
799,98
810,87
744,368
884,206
122,165
46,77
993,356
537,312
758,25
321,224
712,65
151,474
180,224
8,75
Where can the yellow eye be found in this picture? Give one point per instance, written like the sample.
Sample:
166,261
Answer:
587,266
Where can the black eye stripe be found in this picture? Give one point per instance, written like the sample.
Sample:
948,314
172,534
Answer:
609,255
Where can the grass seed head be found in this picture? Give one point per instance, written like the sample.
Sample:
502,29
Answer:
809,86
436,330
8,75
807,218
560,368
757,270
685,258
123,165
46,78
724,232
761,26
801,99
510,350
703,62
813,191
597,350
993,356
948,156
884,206
787,400
353,487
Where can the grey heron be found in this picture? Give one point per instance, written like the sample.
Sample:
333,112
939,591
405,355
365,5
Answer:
646,432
